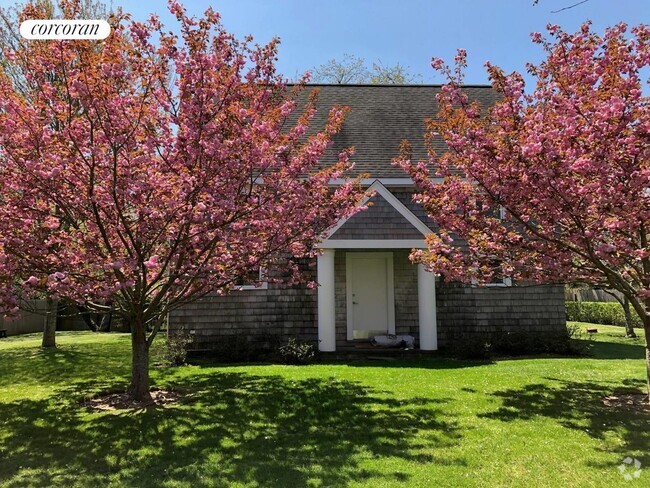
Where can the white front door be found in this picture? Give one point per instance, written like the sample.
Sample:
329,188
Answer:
370,294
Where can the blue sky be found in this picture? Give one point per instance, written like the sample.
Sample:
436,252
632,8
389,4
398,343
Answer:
410,32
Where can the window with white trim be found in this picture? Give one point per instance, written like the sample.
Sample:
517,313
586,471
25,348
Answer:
254,280
498,280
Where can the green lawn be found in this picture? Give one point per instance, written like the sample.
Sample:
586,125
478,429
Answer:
434,422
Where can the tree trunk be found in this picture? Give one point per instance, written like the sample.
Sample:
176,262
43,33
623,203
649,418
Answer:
105,321
642,308
49,330
139,389
645,319
646,328
629,326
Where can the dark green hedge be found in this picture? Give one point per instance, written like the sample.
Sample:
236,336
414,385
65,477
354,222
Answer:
516,343
607,313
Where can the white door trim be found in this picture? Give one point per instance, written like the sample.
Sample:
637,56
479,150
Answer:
390,284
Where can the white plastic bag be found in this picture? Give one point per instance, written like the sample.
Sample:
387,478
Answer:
392,340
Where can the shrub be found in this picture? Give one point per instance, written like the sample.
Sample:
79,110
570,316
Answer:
518,343
472,346
606,313
295,352
174,349
240,349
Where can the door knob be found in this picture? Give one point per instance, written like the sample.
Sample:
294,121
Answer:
355,303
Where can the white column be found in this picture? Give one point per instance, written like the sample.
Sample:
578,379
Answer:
427,309
326,305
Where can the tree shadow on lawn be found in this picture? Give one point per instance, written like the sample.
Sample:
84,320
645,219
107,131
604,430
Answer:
56,366
614,350
257,430
434,361
579,406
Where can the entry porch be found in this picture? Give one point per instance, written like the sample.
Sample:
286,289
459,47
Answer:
365,292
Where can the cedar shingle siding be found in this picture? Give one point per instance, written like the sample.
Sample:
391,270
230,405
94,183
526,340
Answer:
275,314
405,196
249,316
464,310
379,221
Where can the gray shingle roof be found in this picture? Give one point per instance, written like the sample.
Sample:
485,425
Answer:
380,117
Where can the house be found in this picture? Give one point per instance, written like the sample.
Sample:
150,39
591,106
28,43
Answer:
368,286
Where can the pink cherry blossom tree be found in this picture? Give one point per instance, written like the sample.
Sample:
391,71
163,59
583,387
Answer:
551,185
149,169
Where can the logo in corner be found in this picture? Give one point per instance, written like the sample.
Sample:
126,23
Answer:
59,29
630,469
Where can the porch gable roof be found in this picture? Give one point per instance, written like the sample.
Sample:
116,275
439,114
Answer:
386,219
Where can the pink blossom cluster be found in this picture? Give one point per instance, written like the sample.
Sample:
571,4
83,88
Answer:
568,164
150,169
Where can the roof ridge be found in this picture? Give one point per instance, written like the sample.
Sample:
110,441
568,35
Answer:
392,85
